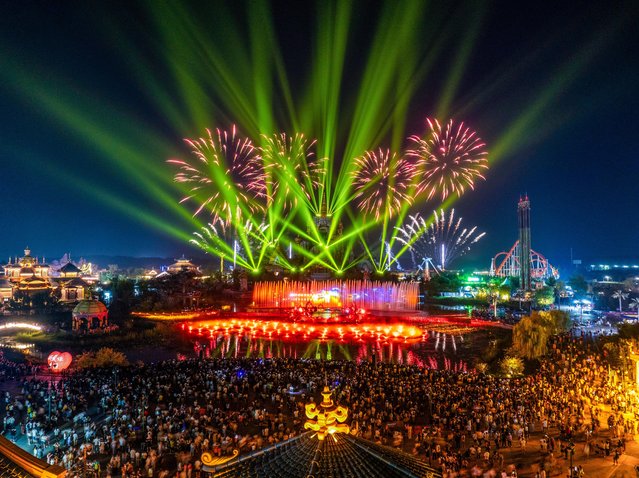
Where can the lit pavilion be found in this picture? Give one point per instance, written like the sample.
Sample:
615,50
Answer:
329,450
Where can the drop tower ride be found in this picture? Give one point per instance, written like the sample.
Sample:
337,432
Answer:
523,213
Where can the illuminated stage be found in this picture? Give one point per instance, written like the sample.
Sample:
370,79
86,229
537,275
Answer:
371,295
345,320
294,331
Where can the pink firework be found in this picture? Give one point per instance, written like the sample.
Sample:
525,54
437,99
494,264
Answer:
227,175
381,182
448,160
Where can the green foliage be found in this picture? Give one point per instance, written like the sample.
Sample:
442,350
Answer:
578,284
559,320
104,357
515,282
185,290
531,334
444,282
43,301
545,296
628,331
122,294
499,340
560,288
512,366
481,367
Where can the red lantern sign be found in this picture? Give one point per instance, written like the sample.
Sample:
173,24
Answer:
59,361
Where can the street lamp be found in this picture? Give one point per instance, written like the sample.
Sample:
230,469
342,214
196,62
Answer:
49,417
571,453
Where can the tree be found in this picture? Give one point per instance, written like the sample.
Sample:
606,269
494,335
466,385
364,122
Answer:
515,282
628,331
481,367
545,296
122,296
630,283
560,290
104,357
612,352
621,295
578,284
531,334
530,337
558,320
634,304
443,282
512,366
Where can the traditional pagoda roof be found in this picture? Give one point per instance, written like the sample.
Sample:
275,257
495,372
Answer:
70,268
327,451
77,282
29,261
17,463
33,278
183,265
339,455
34,282
70,282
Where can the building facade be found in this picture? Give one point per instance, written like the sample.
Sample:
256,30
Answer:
28,279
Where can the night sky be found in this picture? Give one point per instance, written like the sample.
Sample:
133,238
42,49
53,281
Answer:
577,160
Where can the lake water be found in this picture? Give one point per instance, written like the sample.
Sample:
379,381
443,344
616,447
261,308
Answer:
440,338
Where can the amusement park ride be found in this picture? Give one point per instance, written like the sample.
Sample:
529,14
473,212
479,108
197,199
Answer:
507,264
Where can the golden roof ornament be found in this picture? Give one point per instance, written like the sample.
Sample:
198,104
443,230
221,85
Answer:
210,460
328,418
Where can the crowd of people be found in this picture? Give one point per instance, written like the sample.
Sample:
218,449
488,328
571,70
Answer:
150,420
10,370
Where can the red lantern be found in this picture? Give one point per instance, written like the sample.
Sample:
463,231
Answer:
59,361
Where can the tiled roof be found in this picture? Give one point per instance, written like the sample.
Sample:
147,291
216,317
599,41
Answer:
17,463
336,456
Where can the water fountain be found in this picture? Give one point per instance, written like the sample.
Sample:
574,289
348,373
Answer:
371,295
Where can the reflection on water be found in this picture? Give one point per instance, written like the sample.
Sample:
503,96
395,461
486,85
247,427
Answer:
433,350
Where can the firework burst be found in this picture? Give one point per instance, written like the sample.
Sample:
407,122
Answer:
449,160
210,239
279,194
289,162
227,175
442,240
381,182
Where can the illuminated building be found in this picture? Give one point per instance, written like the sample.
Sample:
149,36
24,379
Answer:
6,289
89,314
150,274
30,276
183,265
70,283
